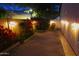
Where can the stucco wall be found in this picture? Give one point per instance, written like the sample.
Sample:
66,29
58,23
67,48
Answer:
70,13
5,23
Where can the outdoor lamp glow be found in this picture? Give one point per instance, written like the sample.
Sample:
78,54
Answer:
12,23
5,24
64,22
13,26
51,22
26,11
75,30
30,10
75,26
34,22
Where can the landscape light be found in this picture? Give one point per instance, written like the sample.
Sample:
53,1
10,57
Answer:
65,24
75,26
51,22
34,23
75,30
12,24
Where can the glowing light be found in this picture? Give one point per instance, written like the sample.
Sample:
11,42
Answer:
62,21
5,24
65,24
51,22
75,30
30,10
34,23
75,26
29,18
12,23
22,16
34,14
27,11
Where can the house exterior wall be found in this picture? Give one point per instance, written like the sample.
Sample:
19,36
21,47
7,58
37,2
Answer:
70,14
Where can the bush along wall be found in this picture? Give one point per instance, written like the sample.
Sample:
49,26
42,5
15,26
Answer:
7,38
26,30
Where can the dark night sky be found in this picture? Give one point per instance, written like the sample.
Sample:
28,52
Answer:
22,7
50,8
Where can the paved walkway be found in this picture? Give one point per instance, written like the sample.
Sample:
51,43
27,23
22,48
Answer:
66,46
41,44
